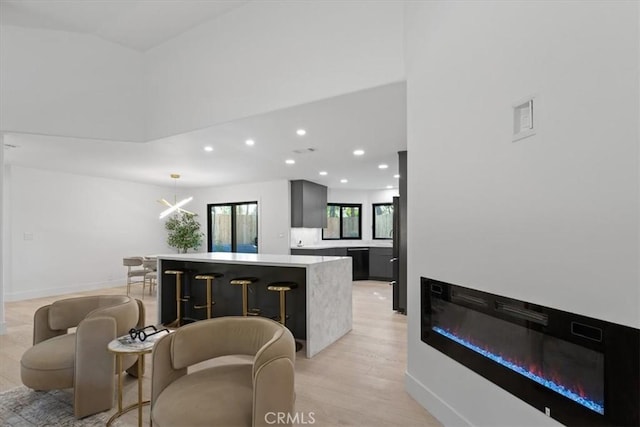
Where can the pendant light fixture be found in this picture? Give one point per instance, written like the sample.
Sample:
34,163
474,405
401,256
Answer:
176,206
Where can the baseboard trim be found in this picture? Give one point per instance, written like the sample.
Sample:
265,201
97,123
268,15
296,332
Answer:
434,404
48,292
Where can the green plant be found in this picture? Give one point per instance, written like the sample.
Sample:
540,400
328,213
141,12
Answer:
183,232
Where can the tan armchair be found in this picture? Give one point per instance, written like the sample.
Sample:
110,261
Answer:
80,360
238,393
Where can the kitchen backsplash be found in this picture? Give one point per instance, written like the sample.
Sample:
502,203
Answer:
308,236
312,238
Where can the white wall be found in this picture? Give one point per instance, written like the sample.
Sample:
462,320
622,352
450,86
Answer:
70,232
551,219
274,212
311,236
69,84
265,56
2,234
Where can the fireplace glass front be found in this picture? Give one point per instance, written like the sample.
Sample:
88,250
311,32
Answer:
579,370
571,370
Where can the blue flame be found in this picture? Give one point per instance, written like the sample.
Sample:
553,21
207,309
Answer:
594,406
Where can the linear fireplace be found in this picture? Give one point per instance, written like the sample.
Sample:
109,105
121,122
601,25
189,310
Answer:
578,370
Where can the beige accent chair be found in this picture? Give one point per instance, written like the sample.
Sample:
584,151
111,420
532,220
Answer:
241,392
132,273
80,359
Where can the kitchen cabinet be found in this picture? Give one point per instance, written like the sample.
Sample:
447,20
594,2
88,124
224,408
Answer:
314,252
338,251
359,262
380,265
368,262
308,204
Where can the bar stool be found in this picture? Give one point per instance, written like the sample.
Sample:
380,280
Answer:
282,288
179,298
209,277
245,282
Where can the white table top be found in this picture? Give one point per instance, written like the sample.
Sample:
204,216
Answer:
124,344
254,259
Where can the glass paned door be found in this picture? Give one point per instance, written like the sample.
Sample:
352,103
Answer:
220,233
246,228
233,227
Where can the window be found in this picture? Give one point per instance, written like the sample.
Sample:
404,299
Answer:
343,222
383,220
233,227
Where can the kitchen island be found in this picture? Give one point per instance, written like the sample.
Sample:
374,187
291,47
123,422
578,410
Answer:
319,310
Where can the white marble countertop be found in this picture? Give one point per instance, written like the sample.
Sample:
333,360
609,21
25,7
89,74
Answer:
254,259
346,244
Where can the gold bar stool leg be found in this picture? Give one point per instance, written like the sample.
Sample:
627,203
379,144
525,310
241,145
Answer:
282,288
245,300
179,299
209,281
209,277
245,282
283,314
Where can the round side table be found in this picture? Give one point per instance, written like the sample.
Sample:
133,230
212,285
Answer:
124,346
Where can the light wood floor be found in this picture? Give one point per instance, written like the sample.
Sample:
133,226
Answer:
357,381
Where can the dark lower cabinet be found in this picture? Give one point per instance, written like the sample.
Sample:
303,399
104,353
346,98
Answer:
360,262
368,262
380,265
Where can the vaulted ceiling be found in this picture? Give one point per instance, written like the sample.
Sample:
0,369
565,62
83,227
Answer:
137,24
372,120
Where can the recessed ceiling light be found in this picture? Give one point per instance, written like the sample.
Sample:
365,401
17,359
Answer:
389,187
250,142
208,148
289,161
301,132
358,152
382,166
323,173
396,175
344,181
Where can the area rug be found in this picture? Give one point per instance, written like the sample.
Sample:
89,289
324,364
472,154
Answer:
23,407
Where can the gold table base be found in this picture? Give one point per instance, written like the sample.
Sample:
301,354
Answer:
140,403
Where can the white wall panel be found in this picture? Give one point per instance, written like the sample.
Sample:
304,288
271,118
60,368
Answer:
69,84
70,232
553,218
270,55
